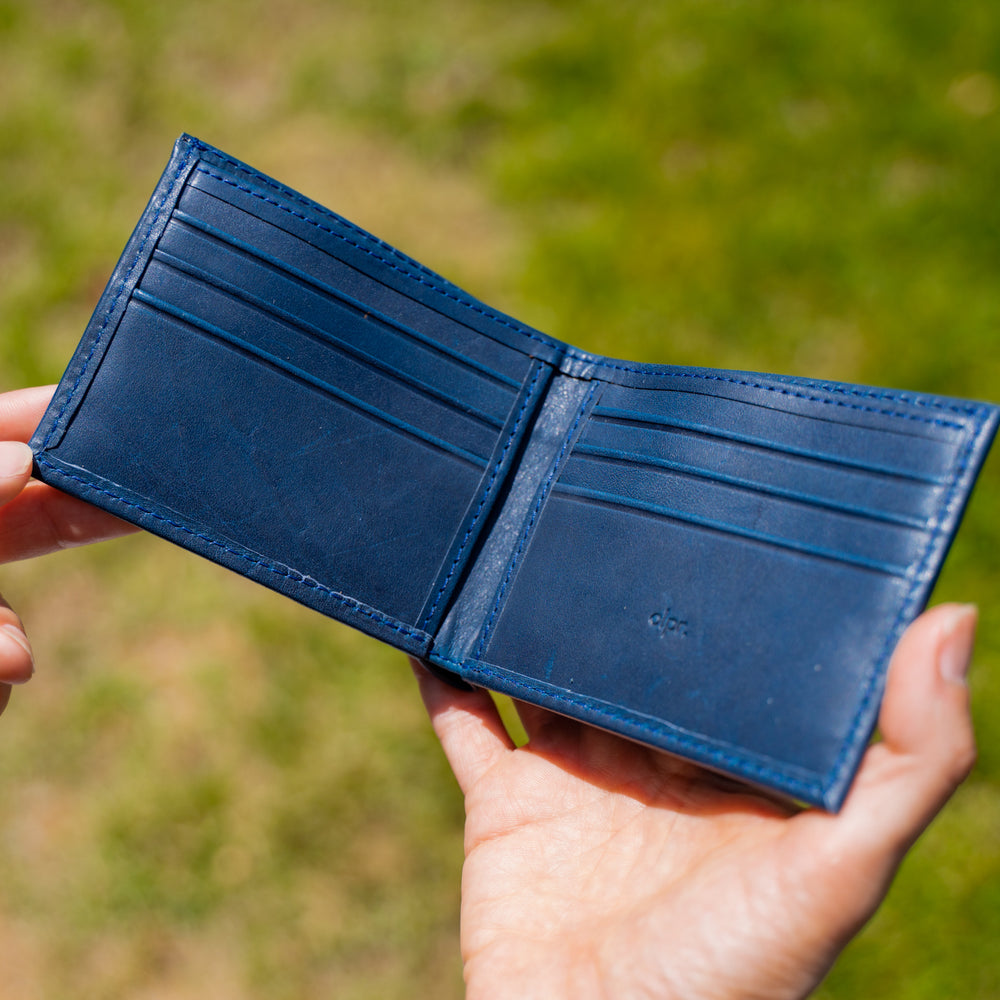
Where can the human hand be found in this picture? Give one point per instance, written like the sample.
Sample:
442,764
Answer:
34,519
596,867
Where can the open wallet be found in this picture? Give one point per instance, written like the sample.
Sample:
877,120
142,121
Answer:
715,563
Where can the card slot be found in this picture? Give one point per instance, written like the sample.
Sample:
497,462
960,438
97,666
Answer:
334,277
812,437
351,505
640,421
631,458
771,520
207,295
283,209
194,323
641,507
657,632
307,354
903,498
253,275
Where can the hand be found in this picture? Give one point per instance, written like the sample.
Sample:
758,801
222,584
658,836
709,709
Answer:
599,868
34,519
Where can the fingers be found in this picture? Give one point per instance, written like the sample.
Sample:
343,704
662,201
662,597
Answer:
547,730
16,660
34,518
467,724
21,410
41,519
15,469
927,747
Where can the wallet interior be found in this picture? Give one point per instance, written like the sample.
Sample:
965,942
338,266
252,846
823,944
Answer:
715,563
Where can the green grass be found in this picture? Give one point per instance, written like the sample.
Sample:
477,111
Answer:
208,790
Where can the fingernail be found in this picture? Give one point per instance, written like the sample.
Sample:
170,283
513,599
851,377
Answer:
955,651
12,634
15,459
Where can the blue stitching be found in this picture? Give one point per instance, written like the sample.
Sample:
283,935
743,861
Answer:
285,572
314,206
610,712
499,318
889,644
485,494
526,332
486,313
114,302
968,411
799,395
534,514
848,746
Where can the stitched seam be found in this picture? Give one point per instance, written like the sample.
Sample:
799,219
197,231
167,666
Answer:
570,352
967,411
350,604
745,763
308,203
139,254
546,486
889,644
406,271
485,495
798,395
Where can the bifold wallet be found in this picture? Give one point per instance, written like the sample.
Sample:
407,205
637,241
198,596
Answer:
714,563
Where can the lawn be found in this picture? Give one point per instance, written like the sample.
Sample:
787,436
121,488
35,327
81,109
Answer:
209,791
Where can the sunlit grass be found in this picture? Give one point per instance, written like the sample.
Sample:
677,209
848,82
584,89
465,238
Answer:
209,791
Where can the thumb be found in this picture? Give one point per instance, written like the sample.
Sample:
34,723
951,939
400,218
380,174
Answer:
926,751
927,747
468,725
15,468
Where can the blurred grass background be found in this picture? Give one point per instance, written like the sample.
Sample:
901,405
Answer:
208,791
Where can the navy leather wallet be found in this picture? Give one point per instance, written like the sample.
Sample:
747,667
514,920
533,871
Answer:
715,563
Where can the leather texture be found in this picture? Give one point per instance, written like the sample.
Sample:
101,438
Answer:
715,563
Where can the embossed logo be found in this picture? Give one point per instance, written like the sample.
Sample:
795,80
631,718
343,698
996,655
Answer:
668,623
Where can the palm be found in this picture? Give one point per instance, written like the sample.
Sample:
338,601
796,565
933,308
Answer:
603,843
595,867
